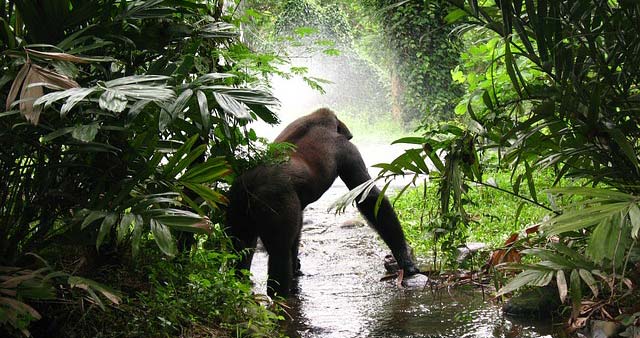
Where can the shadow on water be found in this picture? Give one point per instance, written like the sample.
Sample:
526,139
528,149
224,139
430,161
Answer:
340,295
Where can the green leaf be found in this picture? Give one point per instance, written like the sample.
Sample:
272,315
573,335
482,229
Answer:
212,197
558,262
572,255
125,226
455,15
380,198
345,200
594,193
136,108
410,140
203,104
576,293
113,100
180,103
232,106
587,277
530,182
92,217
579,219
136,236
414,154
634,217
247,95
89,285
264,113
208,172
85,133
163,238
179,154
389,167
56,133
212,77
625,146
435,159
218,30
105,228
136,79
75,95
561,282
511,67
608,240
164,119
174,217
187,160
526,277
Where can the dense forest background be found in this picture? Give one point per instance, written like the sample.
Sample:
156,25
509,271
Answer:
125,122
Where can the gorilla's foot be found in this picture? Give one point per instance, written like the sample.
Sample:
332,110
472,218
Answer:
412,270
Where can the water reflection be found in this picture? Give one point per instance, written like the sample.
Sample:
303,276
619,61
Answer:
401,314
340,295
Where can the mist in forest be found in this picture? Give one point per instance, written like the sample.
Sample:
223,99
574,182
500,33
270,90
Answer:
351,88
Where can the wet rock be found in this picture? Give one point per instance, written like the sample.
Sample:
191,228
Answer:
535,303
415,281
468,249
352,223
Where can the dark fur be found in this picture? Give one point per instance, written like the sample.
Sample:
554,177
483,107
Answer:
267,201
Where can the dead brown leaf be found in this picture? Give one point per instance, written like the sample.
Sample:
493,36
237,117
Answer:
30,81
30,92
17,83
57,56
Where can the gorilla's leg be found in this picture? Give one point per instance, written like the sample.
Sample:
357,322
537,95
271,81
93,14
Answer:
280,273
279,232
295,250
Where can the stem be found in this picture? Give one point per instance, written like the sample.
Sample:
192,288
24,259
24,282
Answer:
424,199
516,195
613,287
626,260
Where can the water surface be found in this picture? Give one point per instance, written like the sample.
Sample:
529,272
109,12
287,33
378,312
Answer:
341,295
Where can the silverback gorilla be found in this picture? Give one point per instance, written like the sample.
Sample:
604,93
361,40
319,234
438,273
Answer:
267,201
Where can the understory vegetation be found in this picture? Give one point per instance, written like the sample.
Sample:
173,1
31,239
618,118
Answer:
494,215
125,122
552,87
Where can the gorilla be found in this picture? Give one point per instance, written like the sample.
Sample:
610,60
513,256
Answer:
267,201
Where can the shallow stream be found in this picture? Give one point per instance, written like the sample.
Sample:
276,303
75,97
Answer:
341,295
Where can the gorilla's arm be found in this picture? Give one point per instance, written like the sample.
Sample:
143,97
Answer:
353,172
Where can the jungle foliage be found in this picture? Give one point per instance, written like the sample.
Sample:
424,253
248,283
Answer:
423,54
123,121
404,46
550,86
